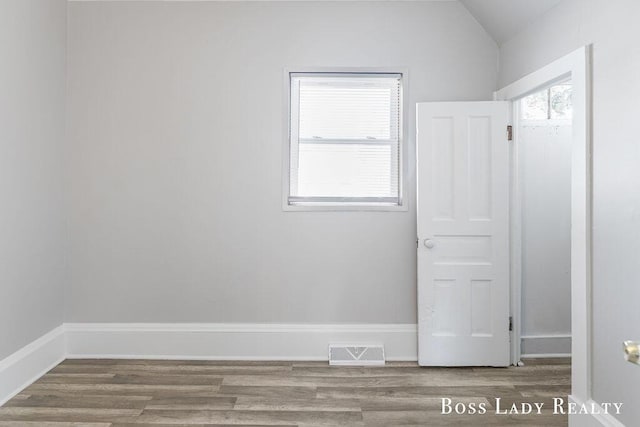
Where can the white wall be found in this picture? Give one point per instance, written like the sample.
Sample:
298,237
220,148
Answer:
32,225
613,29
176,137
545,161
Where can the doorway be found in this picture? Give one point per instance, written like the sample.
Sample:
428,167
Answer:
543,139
575,66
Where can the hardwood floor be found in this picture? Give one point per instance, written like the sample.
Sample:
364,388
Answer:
119,393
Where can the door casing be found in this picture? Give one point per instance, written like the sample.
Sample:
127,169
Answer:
576,66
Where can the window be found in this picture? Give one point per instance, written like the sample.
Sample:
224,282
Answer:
553,103
345,139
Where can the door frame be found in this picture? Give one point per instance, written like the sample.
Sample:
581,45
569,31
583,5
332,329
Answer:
577,67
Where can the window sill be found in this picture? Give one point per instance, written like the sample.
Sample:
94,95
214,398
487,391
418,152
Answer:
344,207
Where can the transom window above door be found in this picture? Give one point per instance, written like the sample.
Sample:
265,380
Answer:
345,138
553,103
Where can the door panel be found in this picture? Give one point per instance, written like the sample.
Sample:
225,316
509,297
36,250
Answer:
463,252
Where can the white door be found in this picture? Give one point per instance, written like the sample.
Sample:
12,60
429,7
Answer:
463,232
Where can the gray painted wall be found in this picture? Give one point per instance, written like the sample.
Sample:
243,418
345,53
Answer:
613,29
32,225
176,138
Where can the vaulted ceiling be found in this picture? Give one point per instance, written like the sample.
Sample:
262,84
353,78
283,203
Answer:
504,18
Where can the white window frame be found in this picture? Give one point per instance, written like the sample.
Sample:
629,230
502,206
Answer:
402,150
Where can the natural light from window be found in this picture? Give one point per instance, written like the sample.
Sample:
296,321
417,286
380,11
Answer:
553,103
345,139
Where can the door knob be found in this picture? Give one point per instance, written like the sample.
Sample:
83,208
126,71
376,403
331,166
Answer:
632,352
429,243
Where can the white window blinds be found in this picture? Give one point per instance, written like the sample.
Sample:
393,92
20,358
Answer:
345,138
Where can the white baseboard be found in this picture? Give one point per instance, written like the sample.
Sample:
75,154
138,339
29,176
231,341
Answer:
232,341
194,341
592,420
20,369
213,342
545,346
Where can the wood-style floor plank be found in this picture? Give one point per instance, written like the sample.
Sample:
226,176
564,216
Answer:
128,393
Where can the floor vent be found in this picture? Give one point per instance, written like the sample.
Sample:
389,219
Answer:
356,355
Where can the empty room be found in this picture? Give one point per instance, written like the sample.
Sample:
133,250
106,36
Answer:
319,213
